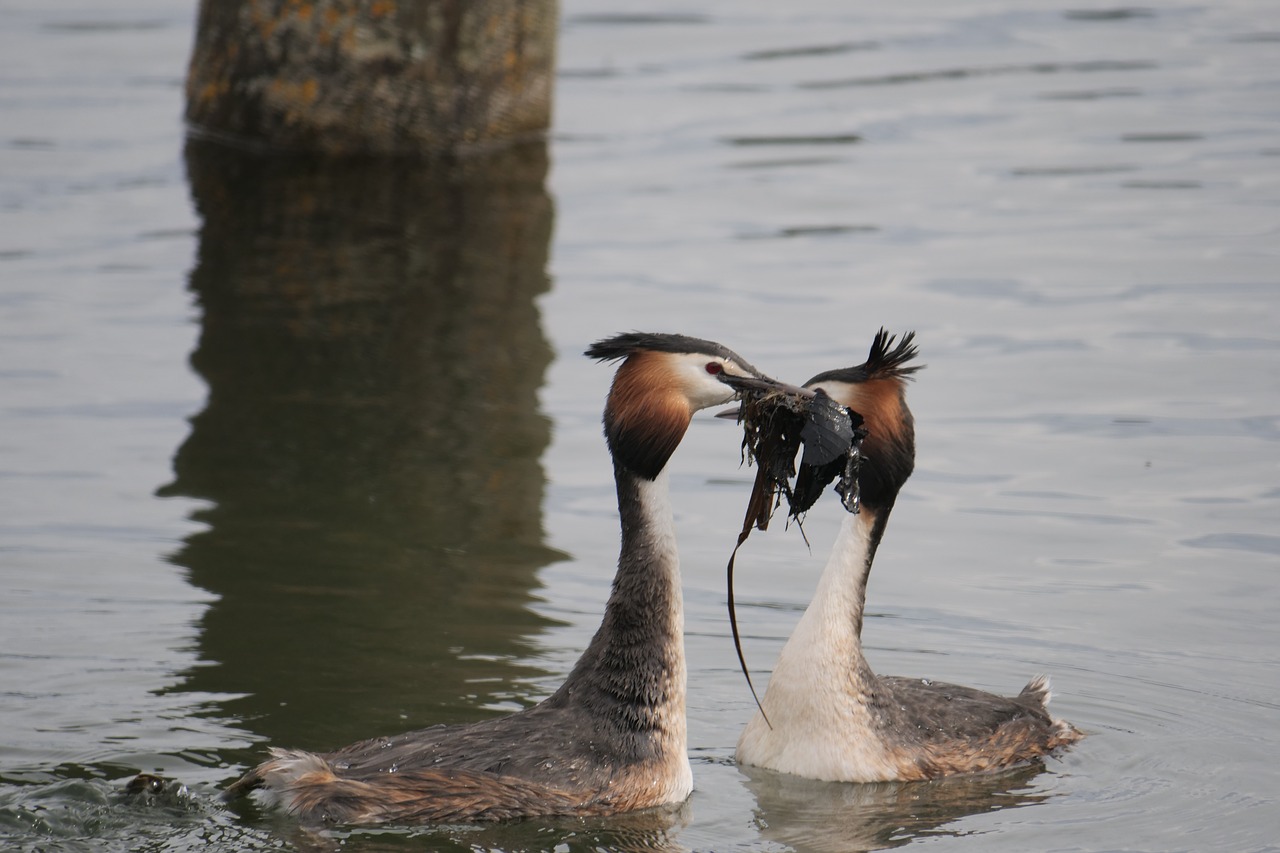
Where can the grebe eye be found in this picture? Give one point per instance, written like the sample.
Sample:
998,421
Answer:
714,367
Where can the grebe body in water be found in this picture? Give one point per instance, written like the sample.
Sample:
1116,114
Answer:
613,737
829,716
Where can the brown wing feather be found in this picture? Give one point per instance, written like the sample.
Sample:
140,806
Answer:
957,729
474,772
428,796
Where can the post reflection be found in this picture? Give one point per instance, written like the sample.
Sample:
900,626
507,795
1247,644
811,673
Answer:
371,442
837,817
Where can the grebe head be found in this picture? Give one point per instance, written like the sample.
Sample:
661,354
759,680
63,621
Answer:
662,381
876,390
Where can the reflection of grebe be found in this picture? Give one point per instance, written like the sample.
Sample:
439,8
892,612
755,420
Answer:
613,737
807,814
829,716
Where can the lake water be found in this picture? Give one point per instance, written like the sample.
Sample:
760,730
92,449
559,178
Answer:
294,455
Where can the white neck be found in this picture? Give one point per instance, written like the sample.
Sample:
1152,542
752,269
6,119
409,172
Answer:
820,687
828,634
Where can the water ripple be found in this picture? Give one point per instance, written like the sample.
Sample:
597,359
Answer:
802,139
1266,427
1121,13
948,74
811,50
1258,543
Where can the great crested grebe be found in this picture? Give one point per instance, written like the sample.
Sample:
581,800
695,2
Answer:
829,716
613,737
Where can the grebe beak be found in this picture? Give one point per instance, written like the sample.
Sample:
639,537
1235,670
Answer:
762,388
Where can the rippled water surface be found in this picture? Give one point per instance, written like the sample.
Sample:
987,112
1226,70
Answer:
294,455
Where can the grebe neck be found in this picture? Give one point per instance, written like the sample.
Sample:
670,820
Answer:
833,621
821,684
633,672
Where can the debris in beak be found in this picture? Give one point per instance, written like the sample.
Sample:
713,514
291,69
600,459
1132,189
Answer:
776,422
832,440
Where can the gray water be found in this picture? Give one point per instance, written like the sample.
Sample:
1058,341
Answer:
293,456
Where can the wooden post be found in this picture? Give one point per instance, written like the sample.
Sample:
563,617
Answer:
348,77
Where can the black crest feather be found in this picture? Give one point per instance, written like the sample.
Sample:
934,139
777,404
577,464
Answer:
629,343
884,361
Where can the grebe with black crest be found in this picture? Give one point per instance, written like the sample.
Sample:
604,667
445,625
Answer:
825,714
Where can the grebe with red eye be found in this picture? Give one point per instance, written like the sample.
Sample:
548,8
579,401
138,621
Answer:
613,737
828,715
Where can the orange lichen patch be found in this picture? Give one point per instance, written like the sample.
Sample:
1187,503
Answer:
497,24
382,8
263,17
214,91
294,96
